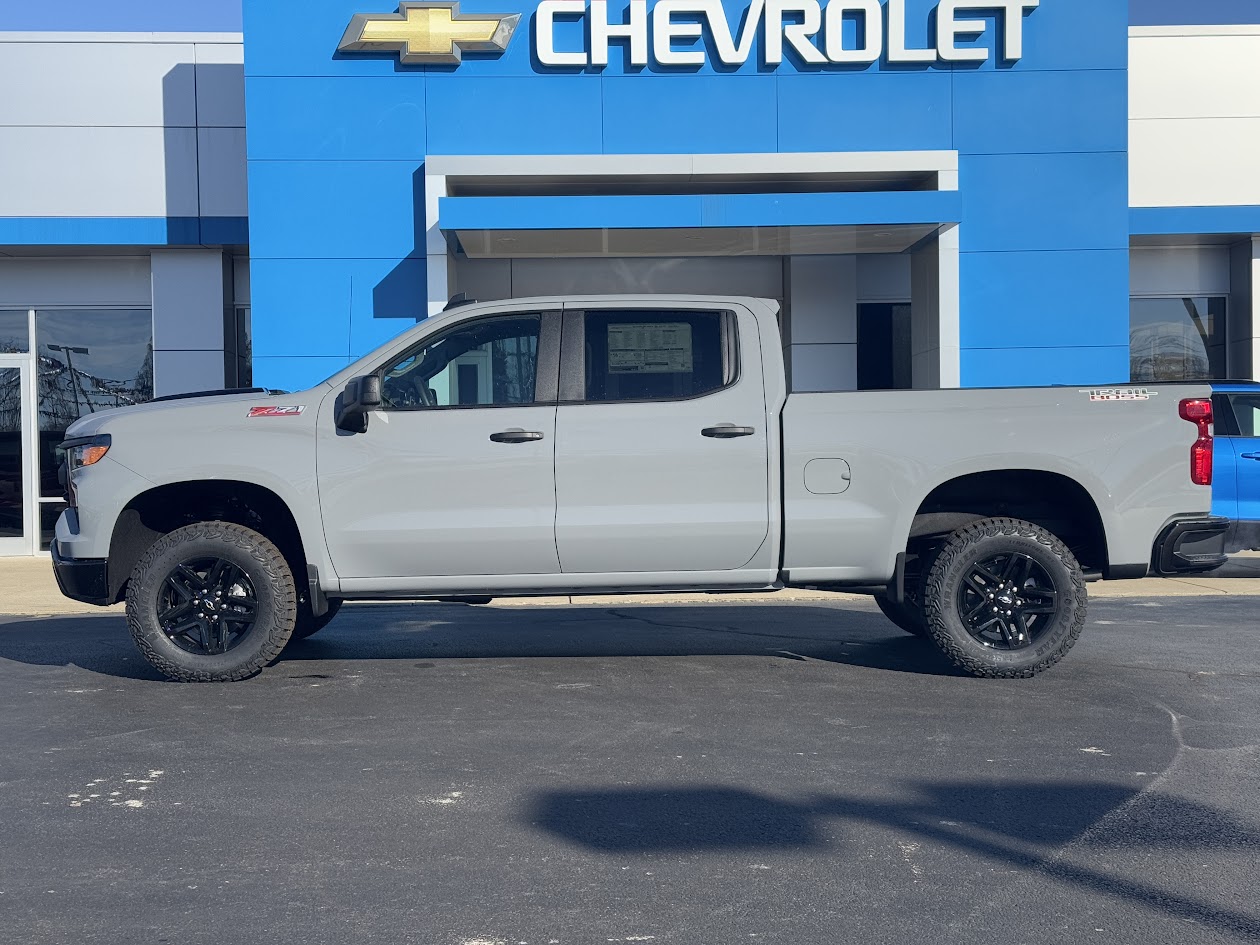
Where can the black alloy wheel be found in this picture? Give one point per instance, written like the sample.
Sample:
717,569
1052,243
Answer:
207,606
211,602
1008,601
1004,599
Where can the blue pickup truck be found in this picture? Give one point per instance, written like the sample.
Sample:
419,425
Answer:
1236,462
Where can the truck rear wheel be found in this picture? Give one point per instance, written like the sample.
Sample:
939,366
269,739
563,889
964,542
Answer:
1005,599
211,602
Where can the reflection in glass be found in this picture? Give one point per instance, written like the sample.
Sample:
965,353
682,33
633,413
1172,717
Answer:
11,477
14,332
489,362
49,512
241,361
1177,339
87,361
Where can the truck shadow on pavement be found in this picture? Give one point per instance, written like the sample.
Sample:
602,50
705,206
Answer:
850,635
1025,825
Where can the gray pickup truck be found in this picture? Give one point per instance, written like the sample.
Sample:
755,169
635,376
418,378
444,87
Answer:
600,445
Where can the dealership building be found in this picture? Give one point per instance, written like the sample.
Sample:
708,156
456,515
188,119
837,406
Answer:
939,193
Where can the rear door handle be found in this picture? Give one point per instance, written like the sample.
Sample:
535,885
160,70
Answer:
516,436
1251,455
727,431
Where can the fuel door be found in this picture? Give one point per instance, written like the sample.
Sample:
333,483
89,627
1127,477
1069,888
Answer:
827,476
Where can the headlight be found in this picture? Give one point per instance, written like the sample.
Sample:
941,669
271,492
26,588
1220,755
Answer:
79,453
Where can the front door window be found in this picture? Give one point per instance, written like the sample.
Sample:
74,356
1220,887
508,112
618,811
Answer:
491,362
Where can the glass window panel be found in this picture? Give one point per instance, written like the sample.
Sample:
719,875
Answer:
488,362
1177,339
884,353
657,355
1246,413
87,361
244,347
14,332
11,469
49,512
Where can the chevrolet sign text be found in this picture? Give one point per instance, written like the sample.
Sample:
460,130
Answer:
810,29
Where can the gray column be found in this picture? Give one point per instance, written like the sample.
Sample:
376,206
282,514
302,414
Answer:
934,313
192,292
821,325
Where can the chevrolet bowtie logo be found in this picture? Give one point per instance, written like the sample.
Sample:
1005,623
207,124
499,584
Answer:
429,32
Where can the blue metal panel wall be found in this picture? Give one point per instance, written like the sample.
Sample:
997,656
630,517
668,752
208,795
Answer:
337,145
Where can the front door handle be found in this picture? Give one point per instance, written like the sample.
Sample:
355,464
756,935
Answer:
516,436
727,431
1251,455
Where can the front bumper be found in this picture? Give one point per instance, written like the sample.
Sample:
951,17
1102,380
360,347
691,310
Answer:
1191,546
82,579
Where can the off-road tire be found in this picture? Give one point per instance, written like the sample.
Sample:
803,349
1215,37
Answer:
978,542
905,615
273,585
308,624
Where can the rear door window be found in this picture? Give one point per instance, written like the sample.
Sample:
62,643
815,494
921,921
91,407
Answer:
657,355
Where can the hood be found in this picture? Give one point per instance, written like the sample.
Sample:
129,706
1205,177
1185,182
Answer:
186,404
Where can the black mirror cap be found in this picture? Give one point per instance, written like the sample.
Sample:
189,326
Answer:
352,405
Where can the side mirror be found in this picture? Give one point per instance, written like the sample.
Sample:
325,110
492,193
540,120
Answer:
361,395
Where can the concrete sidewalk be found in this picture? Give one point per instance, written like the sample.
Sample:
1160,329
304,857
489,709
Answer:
27,588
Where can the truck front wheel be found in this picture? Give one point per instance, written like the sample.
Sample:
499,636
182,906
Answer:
1005,599
211,602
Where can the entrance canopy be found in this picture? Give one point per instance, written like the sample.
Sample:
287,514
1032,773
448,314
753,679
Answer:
625,205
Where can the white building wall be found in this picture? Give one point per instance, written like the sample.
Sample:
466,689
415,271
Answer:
1194,108
121,125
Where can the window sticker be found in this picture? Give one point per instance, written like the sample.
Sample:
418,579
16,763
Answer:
650,348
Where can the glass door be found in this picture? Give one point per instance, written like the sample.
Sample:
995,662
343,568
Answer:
17,447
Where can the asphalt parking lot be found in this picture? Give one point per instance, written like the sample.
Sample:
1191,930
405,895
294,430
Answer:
715,773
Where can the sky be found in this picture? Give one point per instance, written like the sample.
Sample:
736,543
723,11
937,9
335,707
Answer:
224,16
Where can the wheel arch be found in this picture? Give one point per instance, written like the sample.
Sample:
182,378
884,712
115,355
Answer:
158,511
1052,500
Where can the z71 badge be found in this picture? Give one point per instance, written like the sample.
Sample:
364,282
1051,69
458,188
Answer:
275,411
1111,394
